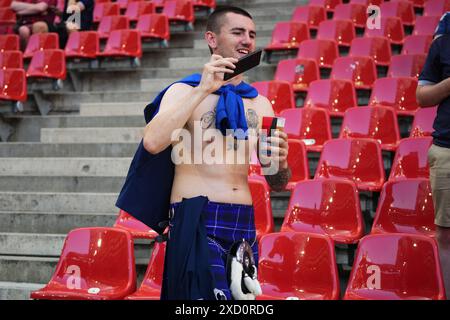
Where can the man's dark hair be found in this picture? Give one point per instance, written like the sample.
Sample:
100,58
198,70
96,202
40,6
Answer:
215,19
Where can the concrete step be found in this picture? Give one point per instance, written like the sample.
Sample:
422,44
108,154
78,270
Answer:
65,150
58,202
112,109
92,135
92,167
156,84
60,223
17,290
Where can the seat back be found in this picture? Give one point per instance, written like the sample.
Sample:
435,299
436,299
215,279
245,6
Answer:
179,10
279,93
135,227
353,11
9,42
406,65
288,34
41,41
423,122
324,52
417,44
436,7
402,9
391,28
297,161
82,44
426,25
360,70
311,15
111,23
13,85
11,59
329,5
260,192
105,9
411,159
342,31
135,9
299,72
379,48
50,63
154,26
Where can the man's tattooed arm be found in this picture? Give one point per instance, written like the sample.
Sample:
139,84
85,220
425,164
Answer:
279,180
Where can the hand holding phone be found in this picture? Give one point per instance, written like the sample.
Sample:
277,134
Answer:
245,63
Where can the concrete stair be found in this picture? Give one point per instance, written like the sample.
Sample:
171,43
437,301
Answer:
64,170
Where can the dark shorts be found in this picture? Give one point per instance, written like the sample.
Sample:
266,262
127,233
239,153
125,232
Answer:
225,224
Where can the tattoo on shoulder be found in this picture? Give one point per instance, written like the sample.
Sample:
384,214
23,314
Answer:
252,118
207,119
279,180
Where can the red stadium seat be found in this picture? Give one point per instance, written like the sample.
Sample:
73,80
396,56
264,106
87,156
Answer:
396,267
342,31
411,159
299,72
95,264
179,11
426,25
112,23
332,94
288,35
402,9
83,44
379,48
260,191
360,70
311,15
329,5
418,3
417,44
211,4
326,206
376,122
355,159
406,65
13,85
9,42
11,59
41,41
368,2
124,3
105,9
136,228
323,51
159,4
398,93
124,43
7,16
136,9
311,125
436,7
298,162
50,63
5,3
391,28
279,273
154,26
353,11
279,93
150,288
423,122
405,206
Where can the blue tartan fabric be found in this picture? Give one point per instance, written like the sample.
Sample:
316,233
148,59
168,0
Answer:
225,224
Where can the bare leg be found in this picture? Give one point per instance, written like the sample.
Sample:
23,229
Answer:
443,240
40,27
24,34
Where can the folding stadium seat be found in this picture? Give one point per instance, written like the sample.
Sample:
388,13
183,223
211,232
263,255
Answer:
406,65
298,162
356,159
360,70
311,15
323,51
154,26
418,44
50,63
379,48
123,43
367,2
288,35
436,7
297,265
353,11
405,206
399,93
7,16
260,191
180,11
279,93
11,59
82,44
402,9
418,3
95,264
422,125
396,267
137,229
136,9
5,3
411,159
124,3
376,122
159,4
150,288
211,4
112,23
299,72
426,25
13,85
391,28
326,206
342,31
9,42
329,5
332,94
41,41
105,9
311,125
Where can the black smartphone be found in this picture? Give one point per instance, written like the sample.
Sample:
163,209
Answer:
245,63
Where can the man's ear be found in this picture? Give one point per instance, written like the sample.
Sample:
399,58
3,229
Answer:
211,39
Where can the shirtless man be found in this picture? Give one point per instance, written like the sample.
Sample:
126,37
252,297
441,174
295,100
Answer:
229,212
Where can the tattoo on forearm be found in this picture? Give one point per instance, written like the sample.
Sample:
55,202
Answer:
279,180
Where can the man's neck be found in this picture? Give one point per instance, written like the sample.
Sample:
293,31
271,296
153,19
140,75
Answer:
236,80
